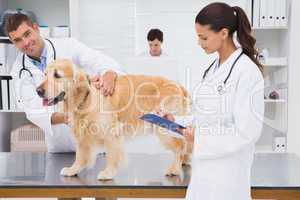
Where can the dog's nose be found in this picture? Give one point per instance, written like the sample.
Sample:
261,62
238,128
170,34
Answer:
40,91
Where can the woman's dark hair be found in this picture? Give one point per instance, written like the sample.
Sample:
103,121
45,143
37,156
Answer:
221,15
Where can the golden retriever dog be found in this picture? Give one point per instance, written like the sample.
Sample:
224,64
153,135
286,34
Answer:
98,121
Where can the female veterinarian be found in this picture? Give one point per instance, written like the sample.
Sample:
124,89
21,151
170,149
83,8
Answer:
228,106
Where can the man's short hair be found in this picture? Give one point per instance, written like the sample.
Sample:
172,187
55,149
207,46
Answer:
155,34
13,21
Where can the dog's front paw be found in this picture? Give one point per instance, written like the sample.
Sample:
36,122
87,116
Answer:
174,171
68,171
106,175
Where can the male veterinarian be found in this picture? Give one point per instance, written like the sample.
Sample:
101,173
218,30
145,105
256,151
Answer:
155,38
28,72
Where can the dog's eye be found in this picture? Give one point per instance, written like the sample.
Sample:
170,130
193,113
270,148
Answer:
56,75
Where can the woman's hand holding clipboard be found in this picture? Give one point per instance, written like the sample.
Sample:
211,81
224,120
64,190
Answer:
166,120
163,122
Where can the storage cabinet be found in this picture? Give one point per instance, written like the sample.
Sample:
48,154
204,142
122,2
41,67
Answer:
271,29
43,9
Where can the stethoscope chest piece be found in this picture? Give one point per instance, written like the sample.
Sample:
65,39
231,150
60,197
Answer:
221,88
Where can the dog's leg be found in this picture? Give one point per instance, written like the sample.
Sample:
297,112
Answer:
85,157
114,155
178,147
173,100
186,159
175,168
188,154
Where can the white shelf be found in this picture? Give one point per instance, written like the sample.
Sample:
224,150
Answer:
11,111
265,149
4,39
271,28
275,100
276,62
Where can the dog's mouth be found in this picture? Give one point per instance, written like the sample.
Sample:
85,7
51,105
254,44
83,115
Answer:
55,100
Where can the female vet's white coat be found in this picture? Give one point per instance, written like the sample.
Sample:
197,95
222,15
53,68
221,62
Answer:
228,125
58,137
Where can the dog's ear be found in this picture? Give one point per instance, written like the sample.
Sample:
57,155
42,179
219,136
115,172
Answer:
81,82
80,76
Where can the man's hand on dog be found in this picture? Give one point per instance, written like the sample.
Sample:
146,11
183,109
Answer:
106,82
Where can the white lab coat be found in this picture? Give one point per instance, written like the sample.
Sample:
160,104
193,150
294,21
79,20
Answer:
227,127
148,55
58,137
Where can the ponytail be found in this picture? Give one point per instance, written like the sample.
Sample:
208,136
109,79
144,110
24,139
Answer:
221,15
244,36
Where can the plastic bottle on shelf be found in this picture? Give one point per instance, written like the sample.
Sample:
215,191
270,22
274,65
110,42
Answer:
263,55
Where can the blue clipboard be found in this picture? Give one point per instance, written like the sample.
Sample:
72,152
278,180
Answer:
162,122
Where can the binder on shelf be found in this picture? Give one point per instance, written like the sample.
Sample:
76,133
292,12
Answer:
5,97
263,22
1,103
279,144
45,31
255,13
5,92
60,32
277,9
2,59
283,13
271,13
12,96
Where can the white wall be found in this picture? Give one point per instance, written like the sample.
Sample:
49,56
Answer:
177,20
107,25
50,13
119,29
294,81
3,5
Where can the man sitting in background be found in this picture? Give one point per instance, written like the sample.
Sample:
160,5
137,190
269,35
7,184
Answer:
155,40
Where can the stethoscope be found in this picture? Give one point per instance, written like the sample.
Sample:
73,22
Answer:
221,86
24,69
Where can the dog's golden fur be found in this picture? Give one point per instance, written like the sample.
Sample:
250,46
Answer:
98,120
